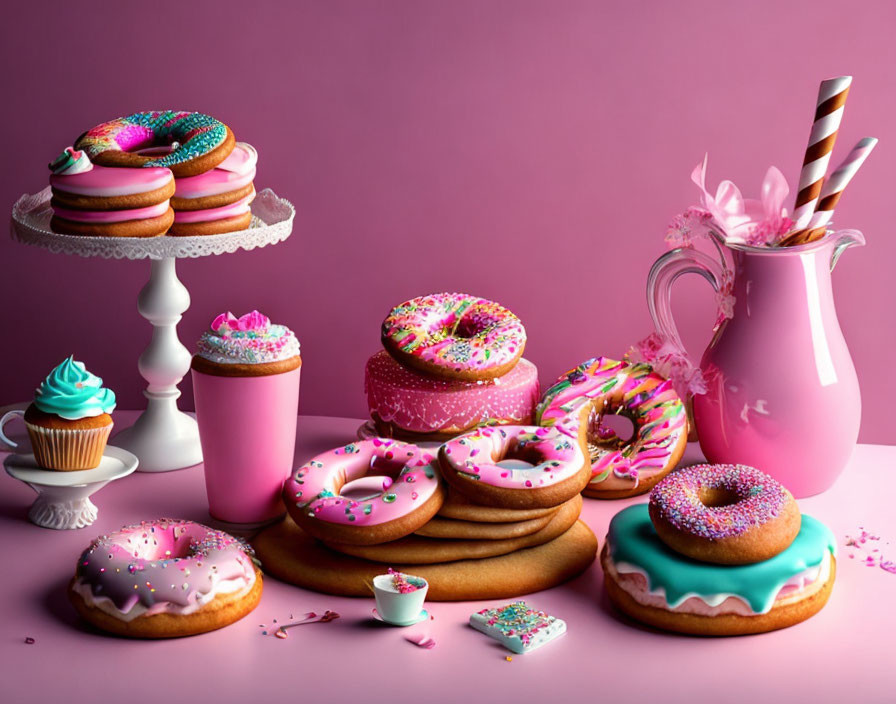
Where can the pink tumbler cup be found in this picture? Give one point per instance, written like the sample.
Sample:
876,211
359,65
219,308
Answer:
247,427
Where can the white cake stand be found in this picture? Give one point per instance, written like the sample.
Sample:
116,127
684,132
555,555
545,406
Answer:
163,438
63,498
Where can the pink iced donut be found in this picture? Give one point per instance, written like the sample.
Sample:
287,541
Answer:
557,469
407,404
601,386
455,336
165,578
409,495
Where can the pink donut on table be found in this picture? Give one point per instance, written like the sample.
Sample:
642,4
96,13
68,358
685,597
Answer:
601,386
411,492
407,404
558,469
165,578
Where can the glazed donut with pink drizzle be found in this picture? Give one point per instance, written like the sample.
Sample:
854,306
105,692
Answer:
601,386
454,335
516,466
408,492
165,578
723,513
412,406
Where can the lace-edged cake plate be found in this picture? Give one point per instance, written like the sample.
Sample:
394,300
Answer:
272,218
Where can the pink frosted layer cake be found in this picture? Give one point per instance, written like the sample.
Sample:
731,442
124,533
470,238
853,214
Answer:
406,403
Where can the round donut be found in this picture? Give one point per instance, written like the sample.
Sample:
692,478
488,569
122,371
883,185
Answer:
620,468
559,468
722,513
455,336
411,492
165,578
202,142
653,584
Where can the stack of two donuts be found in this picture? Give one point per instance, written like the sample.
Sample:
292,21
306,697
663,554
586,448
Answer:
718,550
471,518
152,173
451,362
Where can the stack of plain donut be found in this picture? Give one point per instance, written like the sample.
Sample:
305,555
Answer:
451,362
718,550
152,173
490,514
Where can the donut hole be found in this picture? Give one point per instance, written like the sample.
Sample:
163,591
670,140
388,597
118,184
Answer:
610,428
717,497
382,473
470,326
516,457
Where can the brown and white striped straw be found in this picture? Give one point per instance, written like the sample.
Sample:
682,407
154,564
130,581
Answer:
832,95
830,194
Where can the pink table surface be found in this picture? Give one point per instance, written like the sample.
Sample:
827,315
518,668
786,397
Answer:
844,653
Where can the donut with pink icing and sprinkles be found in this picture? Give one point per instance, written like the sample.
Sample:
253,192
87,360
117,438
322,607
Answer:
600,387
516,466
200,141
454,336
408,492
723,513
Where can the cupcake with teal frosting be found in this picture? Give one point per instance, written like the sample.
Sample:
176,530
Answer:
68,421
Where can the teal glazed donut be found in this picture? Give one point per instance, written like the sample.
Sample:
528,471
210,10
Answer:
201,141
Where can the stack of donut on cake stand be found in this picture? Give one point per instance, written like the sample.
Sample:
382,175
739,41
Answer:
491,513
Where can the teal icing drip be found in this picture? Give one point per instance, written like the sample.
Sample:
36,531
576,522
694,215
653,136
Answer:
633,540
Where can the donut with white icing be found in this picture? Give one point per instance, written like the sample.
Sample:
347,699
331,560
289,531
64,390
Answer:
722,513
165,578
549,466
409,492
455,336
601,386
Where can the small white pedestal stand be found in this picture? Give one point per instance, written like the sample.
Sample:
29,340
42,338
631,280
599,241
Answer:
163,438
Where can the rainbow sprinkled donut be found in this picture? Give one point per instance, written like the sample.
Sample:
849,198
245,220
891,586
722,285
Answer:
200,141
723,513
410,493
620,468
455,336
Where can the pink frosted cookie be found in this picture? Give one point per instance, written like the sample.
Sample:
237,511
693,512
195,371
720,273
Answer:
405,403
407,495
516,466
99,201
601,386
165,578
454,335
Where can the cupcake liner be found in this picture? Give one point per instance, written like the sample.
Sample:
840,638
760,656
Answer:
68,449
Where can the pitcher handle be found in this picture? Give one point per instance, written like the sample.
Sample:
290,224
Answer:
843,239
664,272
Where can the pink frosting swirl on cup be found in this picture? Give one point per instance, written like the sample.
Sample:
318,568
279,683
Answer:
249,339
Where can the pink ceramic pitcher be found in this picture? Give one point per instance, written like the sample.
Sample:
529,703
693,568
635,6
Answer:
782,393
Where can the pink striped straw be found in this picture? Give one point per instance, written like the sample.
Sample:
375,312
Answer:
839,180
832,95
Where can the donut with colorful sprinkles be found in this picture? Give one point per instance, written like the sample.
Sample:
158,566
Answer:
165,578
725,514
516,466
409,492
454,336
652,583
620,467
200,141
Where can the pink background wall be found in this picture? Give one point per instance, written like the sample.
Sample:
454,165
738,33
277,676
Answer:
530,152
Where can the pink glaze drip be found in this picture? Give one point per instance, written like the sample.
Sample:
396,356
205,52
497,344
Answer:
313,487
555,456
163,565
424,404
106,182
211,214
235,172
110,216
